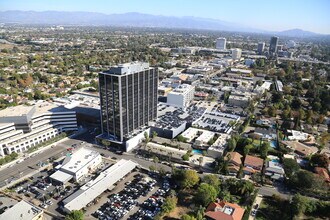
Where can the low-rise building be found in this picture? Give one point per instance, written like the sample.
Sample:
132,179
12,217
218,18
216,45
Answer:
273,168
300,149
218,147
165,151
224,210
23,211
79,164
105,180
252,164
201,137
234,162
240,101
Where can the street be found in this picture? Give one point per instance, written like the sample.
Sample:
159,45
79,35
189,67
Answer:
29,165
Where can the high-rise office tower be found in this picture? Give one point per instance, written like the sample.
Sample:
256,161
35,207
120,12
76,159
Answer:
128,95
273,45
261,47
236,54
221,43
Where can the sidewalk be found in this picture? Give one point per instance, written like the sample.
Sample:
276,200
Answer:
257,201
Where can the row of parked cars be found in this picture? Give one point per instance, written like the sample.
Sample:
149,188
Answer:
152,206
122,203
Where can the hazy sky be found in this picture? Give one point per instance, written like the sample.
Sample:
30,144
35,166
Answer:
274,15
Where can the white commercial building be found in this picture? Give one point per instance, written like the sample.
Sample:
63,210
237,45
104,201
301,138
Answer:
236,54
160,149
218,147
22,127
88,192
181,96
23,211
221,43
203,136
79,164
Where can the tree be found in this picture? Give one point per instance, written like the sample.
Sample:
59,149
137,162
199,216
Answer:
247,148
146,137
187,217
190,179
205,194
154,134
185,157
169,204
290,166
299,204
212,180
232,144
180,138
75,215
264,148
320,160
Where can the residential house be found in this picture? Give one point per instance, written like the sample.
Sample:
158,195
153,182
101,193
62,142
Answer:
234,162
224,211
300,149
252,164
273,168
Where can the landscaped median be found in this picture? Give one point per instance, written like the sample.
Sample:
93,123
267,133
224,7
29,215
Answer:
8,158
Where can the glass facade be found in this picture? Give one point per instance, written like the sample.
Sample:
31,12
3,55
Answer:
128,101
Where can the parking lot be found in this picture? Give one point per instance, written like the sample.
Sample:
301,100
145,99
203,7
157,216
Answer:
138,196
39,189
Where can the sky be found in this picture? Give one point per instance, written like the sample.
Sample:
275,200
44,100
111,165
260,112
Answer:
271,15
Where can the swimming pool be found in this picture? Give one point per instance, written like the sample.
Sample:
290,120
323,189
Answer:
197,151
273,144
276,160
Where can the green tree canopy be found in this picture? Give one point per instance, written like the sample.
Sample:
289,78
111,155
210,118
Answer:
212,180
169,204
205,194
190,179
75,215
290,166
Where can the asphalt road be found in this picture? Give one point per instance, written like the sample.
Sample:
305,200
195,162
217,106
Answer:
29,165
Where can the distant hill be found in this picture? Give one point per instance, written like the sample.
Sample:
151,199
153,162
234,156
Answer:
298,33
134,19
127,19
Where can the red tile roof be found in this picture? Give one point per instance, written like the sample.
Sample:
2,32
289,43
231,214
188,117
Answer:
215,211
253,161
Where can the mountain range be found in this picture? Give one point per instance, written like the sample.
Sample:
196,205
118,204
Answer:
134,19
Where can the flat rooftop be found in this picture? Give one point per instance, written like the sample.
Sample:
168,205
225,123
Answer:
127,68
19,110
21,211
94,188
79,159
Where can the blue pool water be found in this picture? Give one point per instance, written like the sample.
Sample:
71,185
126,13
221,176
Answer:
273,144
276,160
196,151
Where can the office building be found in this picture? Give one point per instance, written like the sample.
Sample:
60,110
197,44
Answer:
236,54
128,98
221,43
23,127
273,45
181,96
261,48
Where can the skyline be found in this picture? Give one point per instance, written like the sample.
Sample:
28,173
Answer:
282,15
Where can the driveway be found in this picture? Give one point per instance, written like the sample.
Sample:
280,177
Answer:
256,201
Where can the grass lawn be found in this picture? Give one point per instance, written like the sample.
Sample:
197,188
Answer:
177,213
